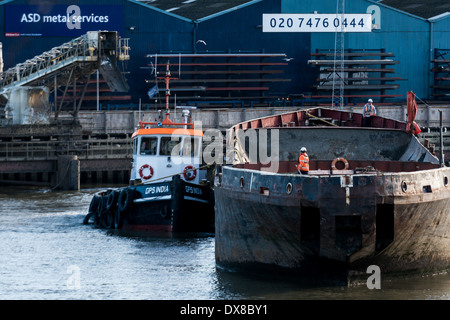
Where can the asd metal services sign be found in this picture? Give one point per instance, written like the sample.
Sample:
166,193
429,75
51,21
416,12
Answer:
61,20
317,22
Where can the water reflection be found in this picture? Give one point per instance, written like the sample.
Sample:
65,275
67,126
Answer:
435,287
47,253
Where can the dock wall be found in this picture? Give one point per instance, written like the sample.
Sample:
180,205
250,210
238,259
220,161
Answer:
125,121
66,165
101,153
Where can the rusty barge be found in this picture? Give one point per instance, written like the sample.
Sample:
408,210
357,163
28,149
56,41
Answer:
373,196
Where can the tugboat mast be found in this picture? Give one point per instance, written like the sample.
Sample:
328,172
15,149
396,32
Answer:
167,79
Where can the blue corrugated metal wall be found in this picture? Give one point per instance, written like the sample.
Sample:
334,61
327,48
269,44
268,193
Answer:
407,36
156,32
241,30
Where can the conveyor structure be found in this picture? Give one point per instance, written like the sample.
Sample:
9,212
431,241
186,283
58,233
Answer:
61,68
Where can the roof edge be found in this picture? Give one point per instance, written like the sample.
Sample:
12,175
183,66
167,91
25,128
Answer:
5,1
397,10
227,11
158,10
441,16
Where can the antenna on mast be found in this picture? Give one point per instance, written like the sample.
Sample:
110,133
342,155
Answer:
167,79
338,64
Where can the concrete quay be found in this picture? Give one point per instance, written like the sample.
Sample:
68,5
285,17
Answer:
125,121
68,164
99,151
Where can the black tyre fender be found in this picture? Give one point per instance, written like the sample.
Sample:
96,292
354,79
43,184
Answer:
125,200
118,219
93,206
166,212
88,217
99,212
107,219
111,201
105,215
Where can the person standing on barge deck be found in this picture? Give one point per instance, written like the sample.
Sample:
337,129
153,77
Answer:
369,112
303,162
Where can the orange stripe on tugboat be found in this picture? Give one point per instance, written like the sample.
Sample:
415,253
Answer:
178,131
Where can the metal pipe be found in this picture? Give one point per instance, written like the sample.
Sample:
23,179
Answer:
430,68
221,55
441,141
1,59
98,91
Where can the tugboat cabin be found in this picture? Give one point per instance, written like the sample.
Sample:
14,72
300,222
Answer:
160,152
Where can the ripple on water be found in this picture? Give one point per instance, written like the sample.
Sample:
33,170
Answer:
47,253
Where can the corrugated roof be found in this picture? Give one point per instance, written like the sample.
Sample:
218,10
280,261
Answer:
422,8
195,9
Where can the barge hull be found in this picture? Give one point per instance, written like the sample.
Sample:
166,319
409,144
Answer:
320,225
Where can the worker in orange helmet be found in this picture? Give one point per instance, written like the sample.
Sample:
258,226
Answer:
303,162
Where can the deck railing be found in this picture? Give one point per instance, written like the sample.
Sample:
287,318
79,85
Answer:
50,150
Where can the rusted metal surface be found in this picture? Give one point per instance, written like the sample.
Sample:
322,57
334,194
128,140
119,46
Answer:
390,207
301,118
258,220
328,143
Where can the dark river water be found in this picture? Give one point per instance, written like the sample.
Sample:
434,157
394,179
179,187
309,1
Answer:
46,253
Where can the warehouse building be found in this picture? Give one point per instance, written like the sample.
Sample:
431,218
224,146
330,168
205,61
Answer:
217,51
221,57
410,38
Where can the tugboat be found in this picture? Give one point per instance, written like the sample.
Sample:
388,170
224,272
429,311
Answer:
170,189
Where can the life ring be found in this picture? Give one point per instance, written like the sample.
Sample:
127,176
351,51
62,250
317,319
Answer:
189,173
343,160
149,175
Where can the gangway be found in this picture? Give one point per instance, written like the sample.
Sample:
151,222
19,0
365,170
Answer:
60,68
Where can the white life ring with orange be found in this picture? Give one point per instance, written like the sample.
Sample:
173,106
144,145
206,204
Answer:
343,160
189,173
147,168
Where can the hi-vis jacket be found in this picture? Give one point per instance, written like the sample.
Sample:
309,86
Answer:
303,162
369,110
